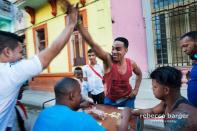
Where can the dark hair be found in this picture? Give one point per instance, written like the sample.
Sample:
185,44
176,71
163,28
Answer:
64,86
168,76
78,68
191,34
124,40
90,51
8,39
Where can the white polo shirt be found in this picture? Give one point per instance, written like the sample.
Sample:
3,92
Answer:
12,76
94,81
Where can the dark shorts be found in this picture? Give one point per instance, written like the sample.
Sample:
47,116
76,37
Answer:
98,99
128,102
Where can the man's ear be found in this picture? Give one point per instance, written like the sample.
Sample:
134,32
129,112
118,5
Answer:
166,90
126,50
70,96
6,52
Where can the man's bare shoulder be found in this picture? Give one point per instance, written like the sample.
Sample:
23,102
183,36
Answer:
183,107
188,108
187,112
133,63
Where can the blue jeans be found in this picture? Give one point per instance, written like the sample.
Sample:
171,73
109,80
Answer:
129,102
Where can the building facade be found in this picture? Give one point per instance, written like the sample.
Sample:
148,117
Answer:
46,20
6,15
153,28
166,21
128,21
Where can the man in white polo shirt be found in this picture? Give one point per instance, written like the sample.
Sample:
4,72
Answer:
14,70
93,73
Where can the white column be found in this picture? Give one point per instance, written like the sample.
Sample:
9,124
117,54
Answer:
149,34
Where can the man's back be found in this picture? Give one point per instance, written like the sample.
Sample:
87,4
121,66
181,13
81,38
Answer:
62,118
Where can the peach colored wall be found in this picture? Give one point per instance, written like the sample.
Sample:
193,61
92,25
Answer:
129,22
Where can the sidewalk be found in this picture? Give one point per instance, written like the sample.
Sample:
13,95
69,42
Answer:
145,99
37,98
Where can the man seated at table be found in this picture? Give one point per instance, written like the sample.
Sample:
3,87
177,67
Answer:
63,116
176,111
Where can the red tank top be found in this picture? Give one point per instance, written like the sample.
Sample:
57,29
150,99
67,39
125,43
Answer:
116,84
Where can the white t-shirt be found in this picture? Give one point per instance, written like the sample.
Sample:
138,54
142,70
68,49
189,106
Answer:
12,76
94,81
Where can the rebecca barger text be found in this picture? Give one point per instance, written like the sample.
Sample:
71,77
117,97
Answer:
167,116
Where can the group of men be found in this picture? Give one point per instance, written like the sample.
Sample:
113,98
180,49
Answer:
117,90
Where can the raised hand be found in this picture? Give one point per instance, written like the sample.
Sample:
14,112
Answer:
72,15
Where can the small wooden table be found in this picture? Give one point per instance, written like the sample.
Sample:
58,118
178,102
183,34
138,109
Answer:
111,123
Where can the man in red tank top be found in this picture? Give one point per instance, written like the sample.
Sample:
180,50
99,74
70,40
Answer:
117,71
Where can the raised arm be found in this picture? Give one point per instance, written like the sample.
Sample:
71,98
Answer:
47,55
97,49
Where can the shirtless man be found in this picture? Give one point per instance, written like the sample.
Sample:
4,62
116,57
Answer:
117,71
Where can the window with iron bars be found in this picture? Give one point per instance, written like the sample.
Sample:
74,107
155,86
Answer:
171,19
5,5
